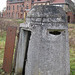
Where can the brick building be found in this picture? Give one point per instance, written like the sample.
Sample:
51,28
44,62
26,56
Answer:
67,5
4,14
15,8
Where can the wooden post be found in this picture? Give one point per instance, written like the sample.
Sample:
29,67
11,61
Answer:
9,49
25,13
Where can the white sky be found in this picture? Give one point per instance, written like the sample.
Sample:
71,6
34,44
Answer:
3,4
73,1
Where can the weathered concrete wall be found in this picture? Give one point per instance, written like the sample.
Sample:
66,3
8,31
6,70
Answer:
48,51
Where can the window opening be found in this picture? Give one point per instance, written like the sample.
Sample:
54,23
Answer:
27,7
13,7
55,32
68,19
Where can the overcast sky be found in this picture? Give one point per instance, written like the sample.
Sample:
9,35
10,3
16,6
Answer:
3,4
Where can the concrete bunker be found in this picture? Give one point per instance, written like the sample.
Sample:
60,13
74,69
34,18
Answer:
43,47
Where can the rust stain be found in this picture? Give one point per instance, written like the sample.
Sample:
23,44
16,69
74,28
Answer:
9,49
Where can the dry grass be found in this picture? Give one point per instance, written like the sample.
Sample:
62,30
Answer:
72,47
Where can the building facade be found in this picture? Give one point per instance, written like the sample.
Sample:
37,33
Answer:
70,17
16,8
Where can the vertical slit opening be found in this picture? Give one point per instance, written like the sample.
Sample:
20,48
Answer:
27,45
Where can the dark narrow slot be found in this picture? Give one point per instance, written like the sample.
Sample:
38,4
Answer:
27,45
55,32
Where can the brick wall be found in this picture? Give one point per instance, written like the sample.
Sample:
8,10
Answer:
54,1
15,10
71,17
27,4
